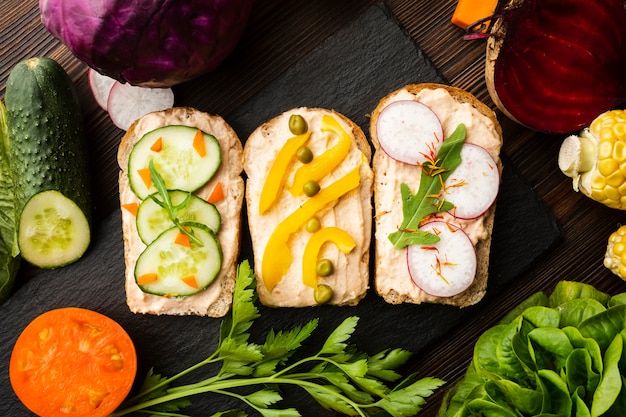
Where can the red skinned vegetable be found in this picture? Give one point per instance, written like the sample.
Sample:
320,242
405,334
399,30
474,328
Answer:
149,43
554,65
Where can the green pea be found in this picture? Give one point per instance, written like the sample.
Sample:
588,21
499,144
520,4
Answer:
322,294
304,154
297,124
311,188
313,225
324,267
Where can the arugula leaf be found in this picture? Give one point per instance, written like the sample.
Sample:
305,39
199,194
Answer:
428,200
9,251
338,377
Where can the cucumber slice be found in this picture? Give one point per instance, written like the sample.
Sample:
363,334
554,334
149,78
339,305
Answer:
53,230
175,270
182,165
152,219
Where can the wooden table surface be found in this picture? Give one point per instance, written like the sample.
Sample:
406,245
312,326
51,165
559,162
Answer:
282,31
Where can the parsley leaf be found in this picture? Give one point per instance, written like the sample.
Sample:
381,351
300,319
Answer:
428,199
338,377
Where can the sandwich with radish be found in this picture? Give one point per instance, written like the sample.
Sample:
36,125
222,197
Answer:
181,193
308,196
437,175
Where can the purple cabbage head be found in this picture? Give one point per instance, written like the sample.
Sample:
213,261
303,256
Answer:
150,43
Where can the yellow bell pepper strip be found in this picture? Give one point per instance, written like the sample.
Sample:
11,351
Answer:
217,194
469,12
277,256
277,175
323,164
198,143
342,239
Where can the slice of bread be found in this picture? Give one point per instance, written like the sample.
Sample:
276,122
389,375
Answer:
452,106
215,300
351,212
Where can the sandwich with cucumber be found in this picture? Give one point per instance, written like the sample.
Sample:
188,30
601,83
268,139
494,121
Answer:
437,175
308,197
181,195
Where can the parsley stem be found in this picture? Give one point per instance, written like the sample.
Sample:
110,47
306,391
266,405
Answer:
222,387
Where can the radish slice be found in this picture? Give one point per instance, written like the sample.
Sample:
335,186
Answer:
446,268
128,103
100,87
409,131
473,186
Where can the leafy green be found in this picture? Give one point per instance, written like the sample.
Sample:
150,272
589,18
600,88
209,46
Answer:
338,376
557,355
428,199
9,252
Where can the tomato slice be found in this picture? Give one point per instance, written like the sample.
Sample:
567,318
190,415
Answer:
73,362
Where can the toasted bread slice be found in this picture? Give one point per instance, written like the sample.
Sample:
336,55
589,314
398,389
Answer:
216,299
452,106
279,233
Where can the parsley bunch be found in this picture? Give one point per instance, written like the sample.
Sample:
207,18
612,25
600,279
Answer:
338,376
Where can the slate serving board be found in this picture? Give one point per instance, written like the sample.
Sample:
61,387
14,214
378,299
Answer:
349,72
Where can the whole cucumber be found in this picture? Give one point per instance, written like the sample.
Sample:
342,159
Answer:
48,159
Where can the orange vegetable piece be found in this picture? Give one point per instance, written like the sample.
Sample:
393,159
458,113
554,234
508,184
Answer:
147,279
182,239
191,281
198,143
468,12
217,194
157,146
131,208
146,176
73,361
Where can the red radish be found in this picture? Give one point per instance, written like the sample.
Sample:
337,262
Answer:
473,186
447,267
128,103
409,131
554,65
100,87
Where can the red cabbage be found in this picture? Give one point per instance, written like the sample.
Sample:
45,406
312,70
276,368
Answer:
554,65
151,43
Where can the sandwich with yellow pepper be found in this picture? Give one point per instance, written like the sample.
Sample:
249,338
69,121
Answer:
308,197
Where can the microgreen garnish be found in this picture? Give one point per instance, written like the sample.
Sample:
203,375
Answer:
338,376
166,203
428,199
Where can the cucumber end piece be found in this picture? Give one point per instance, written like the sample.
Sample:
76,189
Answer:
53,230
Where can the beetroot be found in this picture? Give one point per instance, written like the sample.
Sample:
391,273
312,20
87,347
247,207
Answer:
554,65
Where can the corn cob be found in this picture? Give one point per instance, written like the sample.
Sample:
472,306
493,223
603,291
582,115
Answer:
615,256
596,159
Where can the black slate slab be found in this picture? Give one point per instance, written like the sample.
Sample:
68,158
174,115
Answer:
349,72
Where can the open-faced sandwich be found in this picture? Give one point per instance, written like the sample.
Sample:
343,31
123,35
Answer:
181,193
437,174
308,197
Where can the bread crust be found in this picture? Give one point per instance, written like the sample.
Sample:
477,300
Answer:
216,300
261,148
483,247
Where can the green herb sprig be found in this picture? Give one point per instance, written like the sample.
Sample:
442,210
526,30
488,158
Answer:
168,206
428,199
338,376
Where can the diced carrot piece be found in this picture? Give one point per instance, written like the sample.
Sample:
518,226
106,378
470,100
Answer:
182,239
198,143
468,12
145,175
217,194
191,281
131,208
147,278
157,146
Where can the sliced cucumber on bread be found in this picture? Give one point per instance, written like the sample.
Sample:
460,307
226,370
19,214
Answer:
181,193
46,151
